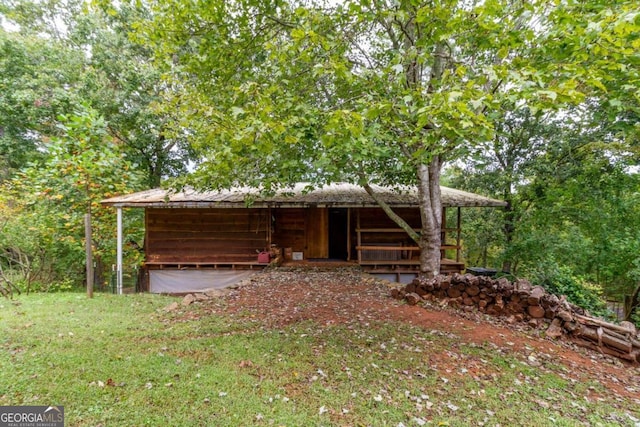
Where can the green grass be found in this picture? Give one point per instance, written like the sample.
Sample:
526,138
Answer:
122,361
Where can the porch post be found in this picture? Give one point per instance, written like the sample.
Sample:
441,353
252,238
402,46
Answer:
458,237
119,252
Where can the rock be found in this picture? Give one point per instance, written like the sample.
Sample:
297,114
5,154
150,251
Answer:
555,329
536,295
395,293
453,292
188,300
473,290
514,307
412,298
504,284
571,326
523,285
202,297
630,326
550,301
473,280
535,311
421,290
534,323
171,307
214,293
458,278
564,315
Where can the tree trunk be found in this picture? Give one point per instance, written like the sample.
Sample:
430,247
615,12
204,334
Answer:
509,230
634,301
431,217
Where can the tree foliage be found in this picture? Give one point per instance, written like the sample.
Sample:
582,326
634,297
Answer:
70,52
49,198
364,91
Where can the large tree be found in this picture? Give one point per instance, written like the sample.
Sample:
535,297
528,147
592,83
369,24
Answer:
368,91
62,53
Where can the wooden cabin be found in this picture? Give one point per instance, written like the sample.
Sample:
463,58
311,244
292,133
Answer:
212,236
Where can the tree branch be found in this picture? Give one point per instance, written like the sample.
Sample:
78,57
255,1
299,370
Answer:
389,211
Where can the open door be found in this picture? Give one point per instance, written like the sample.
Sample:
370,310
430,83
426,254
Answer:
338,233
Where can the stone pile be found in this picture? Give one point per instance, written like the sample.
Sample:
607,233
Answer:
520,301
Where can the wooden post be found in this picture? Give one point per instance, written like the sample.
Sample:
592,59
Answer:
119,251
458,231
89,254
443,233
359,236
348,234
269,228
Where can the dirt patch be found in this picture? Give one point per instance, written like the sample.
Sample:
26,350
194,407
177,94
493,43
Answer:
281,297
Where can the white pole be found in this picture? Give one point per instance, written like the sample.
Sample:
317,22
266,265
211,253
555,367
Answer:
119,253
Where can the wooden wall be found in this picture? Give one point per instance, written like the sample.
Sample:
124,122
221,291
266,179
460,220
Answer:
371,218
289,228
209,236
205,235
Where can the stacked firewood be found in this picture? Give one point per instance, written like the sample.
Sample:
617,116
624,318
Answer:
520,301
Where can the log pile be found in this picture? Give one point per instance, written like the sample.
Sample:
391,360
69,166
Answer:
520,301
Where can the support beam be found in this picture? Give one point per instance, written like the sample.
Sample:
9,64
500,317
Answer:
88,253
119,252
458,234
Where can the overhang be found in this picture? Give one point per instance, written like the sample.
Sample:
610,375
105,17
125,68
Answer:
301,195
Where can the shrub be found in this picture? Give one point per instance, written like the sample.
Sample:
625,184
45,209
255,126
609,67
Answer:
560,280
635,317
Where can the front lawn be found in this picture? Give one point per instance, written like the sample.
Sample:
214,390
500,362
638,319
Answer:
124,361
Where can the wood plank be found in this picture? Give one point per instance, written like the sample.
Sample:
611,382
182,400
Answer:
387,248
383,230
182,259
317,233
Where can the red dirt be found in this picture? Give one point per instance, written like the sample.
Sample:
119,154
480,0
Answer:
279,298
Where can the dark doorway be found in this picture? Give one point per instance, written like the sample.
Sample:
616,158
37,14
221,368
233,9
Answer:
338,233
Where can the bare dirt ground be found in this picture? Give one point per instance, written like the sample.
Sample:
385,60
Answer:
285,296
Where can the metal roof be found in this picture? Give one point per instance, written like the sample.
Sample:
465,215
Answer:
301,195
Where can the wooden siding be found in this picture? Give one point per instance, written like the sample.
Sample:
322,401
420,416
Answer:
184,237
205,235
289,228
378,224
